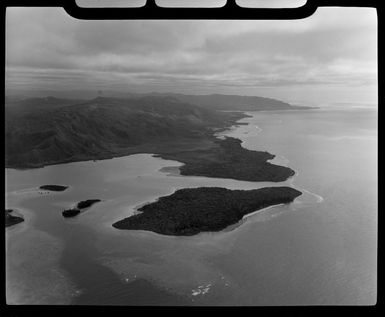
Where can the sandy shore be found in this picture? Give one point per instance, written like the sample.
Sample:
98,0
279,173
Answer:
260,210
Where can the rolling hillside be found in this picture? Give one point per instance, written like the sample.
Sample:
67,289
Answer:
43,131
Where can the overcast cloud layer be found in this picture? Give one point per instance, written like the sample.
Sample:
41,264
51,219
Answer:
331,56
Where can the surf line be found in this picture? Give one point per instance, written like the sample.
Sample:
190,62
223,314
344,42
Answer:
291,179
260,210
320,199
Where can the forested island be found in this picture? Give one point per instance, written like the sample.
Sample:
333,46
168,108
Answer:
190,211
55,188
11,220
80,205
87,203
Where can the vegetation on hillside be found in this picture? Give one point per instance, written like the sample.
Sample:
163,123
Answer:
101,128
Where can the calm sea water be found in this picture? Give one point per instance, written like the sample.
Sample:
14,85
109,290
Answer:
321,249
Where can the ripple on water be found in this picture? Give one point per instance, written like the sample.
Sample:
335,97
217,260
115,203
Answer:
32,276
201,290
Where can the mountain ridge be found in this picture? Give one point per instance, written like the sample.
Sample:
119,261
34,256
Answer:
235,102
210,101
41,133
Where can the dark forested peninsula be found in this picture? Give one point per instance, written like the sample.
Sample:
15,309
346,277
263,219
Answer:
192,210
228,159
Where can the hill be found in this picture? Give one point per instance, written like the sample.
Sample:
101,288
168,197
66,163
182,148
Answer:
43,131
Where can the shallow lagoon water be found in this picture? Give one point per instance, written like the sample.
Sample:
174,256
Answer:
321,249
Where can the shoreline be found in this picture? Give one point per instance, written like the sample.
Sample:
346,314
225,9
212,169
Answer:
260,210
220,158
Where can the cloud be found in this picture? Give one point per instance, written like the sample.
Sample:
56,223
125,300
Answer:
335,47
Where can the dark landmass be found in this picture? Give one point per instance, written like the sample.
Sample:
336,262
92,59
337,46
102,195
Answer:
212,101
55,188
87,203
228,159
11,220
102,128
81,205
71,212
192,210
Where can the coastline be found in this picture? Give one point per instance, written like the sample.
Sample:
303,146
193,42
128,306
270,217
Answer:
259,225
171,146
215,157
260,210
68,245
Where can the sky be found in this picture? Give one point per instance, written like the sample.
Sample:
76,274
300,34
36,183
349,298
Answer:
328,57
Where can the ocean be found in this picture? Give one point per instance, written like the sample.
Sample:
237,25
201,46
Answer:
319,250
